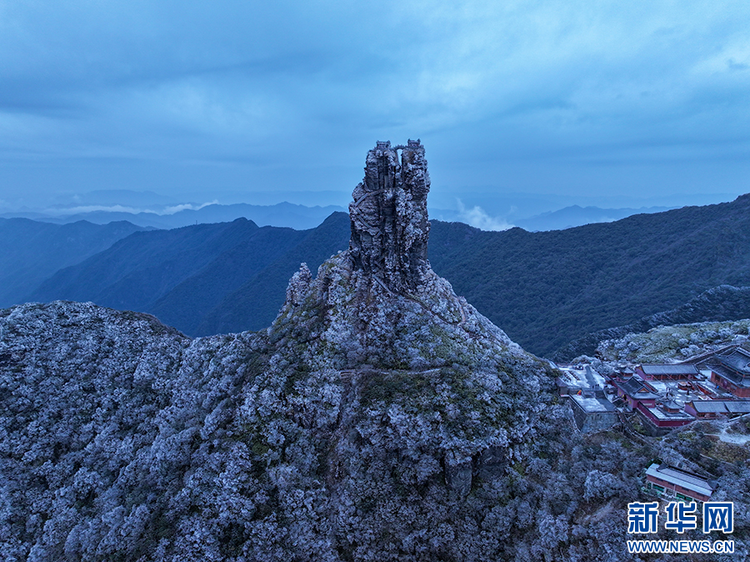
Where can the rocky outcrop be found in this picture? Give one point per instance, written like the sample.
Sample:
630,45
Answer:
389,216
380,302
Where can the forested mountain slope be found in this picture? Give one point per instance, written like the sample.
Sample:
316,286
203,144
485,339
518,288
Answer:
31,251
722,303
545,289
138,271
548,288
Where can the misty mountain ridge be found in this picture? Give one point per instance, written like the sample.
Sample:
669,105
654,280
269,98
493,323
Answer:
149,209
284,214
560,219
575,215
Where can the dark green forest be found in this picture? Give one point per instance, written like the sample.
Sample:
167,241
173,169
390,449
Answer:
548,288
545,289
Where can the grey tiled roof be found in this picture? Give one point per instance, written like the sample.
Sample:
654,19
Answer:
738,406
590,404
727,373
721,406
738,359
636,388
709,406
680,478
669,369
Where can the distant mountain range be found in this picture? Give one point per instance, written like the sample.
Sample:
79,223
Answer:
300,217
282,214
202,279
570,217
545,289
567,217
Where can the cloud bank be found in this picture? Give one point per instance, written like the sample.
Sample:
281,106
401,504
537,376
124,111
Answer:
478,218
551,97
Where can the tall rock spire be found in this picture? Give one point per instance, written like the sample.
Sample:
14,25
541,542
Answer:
380,303
389,216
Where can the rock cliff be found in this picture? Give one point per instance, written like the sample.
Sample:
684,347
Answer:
389,216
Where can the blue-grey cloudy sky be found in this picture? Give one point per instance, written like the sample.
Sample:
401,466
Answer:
596,102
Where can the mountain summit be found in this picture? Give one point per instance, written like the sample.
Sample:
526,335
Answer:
433,403
380,302
389,216
380,417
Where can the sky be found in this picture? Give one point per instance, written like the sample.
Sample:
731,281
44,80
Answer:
614,103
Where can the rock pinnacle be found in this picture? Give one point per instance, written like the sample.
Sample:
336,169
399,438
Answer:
389,216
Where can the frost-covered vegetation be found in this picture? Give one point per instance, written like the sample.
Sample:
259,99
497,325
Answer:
674,343
379,418
361,426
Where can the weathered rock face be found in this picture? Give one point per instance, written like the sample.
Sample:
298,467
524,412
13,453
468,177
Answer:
389,216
